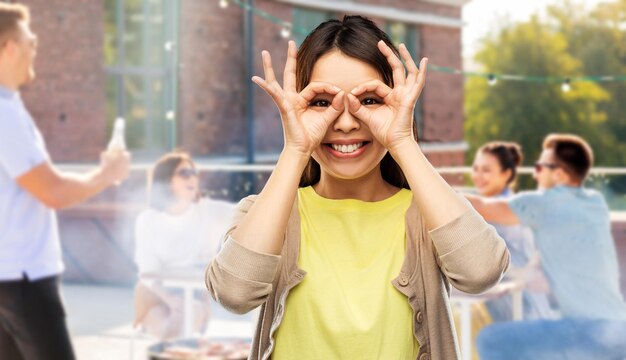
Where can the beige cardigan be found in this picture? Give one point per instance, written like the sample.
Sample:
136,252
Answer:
467,252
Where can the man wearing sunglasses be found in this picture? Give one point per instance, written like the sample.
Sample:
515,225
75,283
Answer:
572,231
32,318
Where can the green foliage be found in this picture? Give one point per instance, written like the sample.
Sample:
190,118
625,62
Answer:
569,41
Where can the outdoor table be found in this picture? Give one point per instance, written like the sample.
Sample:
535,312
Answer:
187,279
465,302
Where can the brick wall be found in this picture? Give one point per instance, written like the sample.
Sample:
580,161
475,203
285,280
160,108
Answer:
211,84
443,96
67,99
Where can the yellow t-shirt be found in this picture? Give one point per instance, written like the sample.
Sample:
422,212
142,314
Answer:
346,306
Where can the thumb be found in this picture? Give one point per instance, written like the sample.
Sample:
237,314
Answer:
358,110
335,109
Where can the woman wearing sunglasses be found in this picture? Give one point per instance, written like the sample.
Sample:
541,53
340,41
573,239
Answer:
180,229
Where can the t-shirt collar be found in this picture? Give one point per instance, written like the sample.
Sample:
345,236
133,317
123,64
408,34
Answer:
7,93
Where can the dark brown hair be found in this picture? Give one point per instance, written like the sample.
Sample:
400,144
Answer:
160,195
357,37
10,16
508,154
572,153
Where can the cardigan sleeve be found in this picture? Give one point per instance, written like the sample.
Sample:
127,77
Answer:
470,253
238,278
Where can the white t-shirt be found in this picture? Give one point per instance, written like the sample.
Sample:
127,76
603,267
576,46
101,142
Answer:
190,239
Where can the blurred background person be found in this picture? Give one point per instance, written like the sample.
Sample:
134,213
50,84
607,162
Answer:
180,230
572,230
32,316
494,174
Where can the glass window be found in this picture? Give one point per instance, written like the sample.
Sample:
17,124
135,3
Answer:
140,53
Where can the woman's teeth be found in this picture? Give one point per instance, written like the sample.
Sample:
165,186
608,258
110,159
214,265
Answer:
346,149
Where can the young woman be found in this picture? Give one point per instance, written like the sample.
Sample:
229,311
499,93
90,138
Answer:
350,247
494,174
180,229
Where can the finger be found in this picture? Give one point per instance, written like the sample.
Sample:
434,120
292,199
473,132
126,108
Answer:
396,64
270,90
421,77
409,63
268,70
376,86
359,111
336,107
289,77
315,88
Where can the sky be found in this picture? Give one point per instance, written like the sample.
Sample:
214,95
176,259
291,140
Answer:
482,15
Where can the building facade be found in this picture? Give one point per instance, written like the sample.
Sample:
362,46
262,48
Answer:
176,70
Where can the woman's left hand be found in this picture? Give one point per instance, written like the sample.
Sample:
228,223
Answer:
391,123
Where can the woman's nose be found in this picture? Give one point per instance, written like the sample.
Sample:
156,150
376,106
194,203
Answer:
346,122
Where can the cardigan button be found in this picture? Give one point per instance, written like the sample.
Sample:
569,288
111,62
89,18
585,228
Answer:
425,356
419,317
403,280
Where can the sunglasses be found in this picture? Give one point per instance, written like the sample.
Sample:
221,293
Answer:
187,173
539,166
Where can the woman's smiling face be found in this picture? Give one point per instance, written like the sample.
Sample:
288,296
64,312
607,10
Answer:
348,150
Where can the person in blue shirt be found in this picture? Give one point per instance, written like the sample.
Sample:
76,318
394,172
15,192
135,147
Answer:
572,231
32,317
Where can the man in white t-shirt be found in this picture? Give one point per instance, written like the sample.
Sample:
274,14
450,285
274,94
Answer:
32,318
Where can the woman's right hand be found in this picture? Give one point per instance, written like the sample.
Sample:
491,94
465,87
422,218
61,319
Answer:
306,115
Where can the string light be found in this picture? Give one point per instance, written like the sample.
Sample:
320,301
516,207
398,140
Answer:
285,32
288,29
566,86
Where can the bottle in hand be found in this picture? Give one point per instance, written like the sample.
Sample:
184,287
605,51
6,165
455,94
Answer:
118,142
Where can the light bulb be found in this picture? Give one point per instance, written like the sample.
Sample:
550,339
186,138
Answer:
566,86
285,32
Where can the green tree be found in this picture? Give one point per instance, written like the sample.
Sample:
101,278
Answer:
526,111
598,39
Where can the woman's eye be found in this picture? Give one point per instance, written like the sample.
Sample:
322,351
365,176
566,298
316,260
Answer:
320,103
370,101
